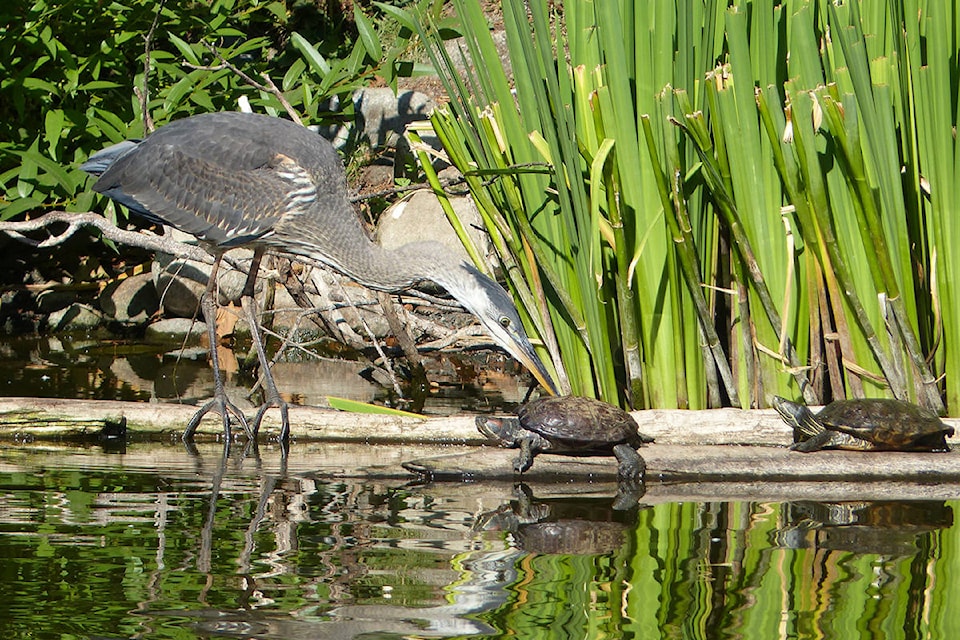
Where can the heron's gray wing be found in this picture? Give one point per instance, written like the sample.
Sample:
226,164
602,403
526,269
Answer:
225,206
101,160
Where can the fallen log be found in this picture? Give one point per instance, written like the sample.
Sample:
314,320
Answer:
25,418
724,445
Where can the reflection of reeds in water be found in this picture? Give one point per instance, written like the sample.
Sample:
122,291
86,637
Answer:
233,540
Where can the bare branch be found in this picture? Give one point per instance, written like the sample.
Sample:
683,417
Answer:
143,94
77,221
270,87
204,67
412,187
275,90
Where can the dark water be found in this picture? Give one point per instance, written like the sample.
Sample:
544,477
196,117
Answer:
102,367
162,543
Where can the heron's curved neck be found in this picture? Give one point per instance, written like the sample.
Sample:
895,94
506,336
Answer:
331,233
373,266
406,266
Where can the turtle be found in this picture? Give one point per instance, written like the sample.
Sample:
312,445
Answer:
570,425
869,424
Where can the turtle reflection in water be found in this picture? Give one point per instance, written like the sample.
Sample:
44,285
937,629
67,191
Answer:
889,528
567,526
873,424
573,426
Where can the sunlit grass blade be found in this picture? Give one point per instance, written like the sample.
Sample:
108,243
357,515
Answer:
354,406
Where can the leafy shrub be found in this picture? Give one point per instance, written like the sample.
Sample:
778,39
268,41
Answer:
69,73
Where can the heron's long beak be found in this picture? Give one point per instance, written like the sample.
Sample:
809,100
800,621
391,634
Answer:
527,356
495,309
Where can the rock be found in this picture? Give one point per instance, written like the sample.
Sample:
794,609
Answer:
75,317
174,329
382,115
52,300
130,300
463,63
180,283
419,217
376,177
16,314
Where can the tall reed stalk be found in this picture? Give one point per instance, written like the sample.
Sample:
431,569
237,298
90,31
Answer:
714,202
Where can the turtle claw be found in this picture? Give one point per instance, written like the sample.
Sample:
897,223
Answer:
632,467
816,443
525,459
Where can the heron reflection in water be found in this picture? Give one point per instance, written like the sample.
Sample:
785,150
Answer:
242,179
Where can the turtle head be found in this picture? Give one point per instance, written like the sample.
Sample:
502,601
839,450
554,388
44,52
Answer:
505,431
797,416
791,412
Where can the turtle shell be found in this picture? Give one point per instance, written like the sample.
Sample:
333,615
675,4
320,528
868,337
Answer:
886,423
580,423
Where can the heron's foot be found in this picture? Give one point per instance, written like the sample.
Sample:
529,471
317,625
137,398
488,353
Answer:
278,402
222,405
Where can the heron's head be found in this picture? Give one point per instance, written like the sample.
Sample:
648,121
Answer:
494,307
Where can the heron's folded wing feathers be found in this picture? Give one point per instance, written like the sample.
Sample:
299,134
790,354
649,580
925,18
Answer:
197,195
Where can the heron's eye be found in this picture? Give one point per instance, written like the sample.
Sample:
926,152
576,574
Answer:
505,322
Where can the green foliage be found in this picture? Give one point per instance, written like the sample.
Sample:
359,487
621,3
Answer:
732,199
69,72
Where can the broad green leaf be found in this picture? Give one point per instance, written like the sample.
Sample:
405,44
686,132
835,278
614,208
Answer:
97,85
175,95
293,75
38,84
16,207
33,157
403,17
185,49
279,10
313,57
368,35
53,129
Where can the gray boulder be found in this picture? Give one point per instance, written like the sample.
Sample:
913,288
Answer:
130,300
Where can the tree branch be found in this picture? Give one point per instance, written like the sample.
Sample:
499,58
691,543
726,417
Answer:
143,94
270,87
77,221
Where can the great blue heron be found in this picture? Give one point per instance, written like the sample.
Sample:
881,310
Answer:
233,179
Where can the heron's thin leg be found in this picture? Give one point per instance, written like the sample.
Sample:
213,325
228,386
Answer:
272,395
219,402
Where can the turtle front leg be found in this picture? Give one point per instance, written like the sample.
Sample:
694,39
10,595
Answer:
525,459
632,466
815,443
630,472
